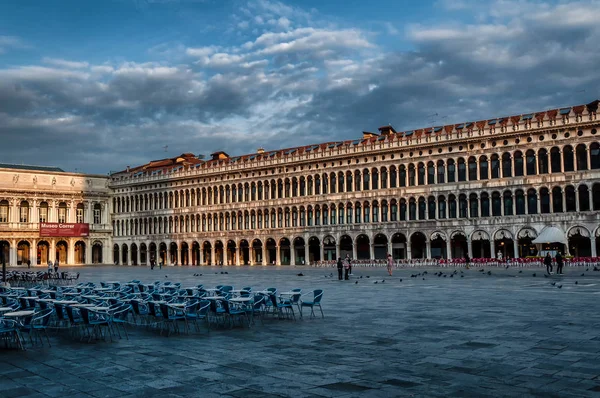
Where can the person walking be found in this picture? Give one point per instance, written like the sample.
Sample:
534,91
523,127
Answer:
49,267
347,268
151,264
467,261
56,267
390,264
340,267
559,263
349,264
548,263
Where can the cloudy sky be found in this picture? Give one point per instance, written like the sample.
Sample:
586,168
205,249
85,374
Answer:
97,85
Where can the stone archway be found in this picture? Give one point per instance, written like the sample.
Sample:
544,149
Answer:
23,252
329,251
116,256
285,251
363,247
219,260
271,251
525,238
162,253
134,254
195,253
299,250
143,254
207,253
124,254
314,249
380,246
399,246
80,250
480,244
43,252
503,244
184,255
153,252
459,245
244,252
580,244
418,245
257,252
61,251
97,253
173,255
346,247
438,246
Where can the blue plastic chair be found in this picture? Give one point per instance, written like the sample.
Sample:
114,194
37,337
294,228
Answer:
315,302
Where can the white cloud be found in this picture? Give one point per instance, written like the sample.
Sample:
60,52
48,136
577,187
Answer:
61,63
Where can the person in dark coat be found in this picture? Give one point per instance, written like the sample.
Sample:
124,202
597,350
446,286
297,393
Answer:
559,263
340,267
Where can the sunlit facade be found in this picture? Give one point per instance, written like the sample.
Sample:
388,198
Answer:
477,188
31,195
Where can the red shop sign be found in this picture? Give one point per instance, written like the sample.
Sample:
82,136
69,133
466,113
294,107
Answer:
48,229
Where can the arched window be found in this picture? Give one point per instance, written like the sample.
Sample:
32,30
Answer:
451,206
24,212
62,212
570,199
384,178
508,203
317,181
332,185
431,208
584,198
349,181
485,204
543,161
366,180
544,201
518,158
483,167
411,175
555,160
325,184
473,205
341,182
421,172
430,173
451,171
462,206
412,209
462,170
595,156
532,201
366,212
441,207
394,177
472,169
422,208
557,200
375,211
43,212
357,213
495,166
357,180
506,165
568,158
79,213
520,202
496,204
441,172
530,161
394,210
374,179
582,163
402,176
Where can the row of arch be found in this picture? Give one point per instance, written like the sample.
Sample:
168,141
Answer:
44,212
544,200
299,250
474,168
42,252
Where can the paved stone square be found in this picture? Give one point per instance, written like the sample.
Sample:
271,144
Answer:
480,335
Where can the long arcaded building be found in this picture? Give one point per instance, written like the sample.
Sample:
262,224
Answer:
478,188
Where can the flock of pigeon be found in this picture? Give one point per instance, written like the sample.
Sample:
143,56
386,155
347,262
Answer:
462,275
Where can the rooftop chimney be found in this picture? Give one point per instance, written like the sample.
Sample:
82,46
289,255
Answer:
128,169
260,150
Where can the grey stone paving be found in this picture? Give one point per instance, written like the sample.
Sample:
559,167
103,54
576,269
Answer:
504,334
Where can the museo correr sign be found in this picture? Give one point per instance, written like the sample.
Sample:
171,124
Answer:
49,229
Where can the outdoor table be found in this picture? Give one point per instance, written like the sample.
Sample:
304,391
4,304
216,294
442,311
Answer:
17,288
241,299
70,294
102,289
6,309
29,297
82,305
91,296
177,304
65,302
267,292
19,314
98,308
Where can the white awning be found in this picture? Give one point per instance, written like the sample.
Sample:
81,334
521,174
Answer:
551,235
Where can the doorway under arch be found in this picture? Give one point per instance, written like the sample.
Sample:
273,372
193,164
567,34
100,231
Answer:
97,253
80,250
43,252
61,251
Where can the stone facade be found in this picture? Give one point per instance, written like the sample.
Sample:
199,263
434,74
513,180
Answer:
484,188
31,194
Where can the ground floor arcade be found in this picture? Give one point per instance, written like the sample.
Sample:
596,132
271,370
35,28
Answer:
299,250
68,251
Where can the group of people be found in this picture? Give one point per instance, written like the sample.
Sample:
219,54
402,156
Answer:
346,264
559,263
51,265
153,264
